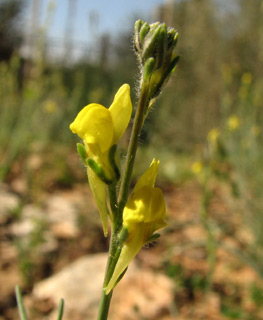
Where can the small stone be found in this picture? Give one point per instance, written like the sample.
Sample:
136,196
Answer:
60,209
79,284
64,230
9,202
142,294
20,186
22,229
33,212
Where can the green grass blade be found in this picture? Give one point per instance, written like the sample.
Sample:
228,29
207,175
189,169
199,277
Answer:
60,309
21,308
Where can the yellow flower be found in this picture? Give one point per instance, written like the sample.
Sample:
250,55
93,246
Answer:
50,106
197,167
213,135
246,78
101,129
233,122
143,214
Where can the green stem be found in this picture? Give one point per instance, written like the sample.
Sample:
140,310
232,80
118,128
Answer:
132,148
106,299
104,305
21,308
117,220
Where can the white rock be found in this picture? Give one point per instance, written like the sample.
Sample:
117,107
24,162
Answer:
31,217
60,209
32,211
22,228
79,284
64,230
142,294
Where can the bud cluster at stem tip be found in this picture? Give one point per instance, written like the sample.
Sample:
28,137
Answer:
155,47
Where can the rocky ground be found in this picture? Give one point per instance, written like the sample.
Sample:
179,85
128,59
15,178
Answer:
54,248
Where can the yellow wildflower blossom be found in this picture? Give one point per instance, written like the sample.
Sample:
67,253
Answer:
246,78
143,214
233,122
50,106
213,135
197,167
100,129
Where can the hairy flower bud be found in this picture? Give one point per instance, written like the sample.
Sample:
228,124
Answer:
155,47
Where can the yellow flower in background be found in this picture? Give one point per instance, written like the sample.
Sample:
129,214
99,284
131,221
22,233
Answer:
143,214
100,129
50,106
197,167
233,122
246,78
213,135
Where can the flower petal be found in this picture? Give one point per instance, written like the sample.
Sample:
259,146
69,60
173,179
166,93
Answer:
94,125
98,189
121,110
129,251
149,176
157,211
137,207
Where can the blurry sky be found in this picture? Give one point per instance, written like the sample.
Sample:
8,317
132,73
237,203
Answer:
82,22
88,18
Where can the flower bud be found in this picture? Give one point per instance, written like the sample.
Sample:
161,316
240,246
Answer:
155,46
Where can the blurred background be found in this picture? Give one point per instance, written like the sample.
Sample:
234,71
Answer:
206,129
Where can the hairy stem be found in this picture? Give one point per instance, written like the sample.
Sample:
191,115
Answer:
106,299
132,148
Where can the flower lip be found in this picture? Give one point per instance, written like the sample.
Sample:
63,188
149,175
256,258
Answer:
94,125
146,203
98,125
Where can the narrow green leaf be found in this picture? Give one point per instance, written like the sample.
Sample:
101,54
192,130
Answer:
20,304
60,309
